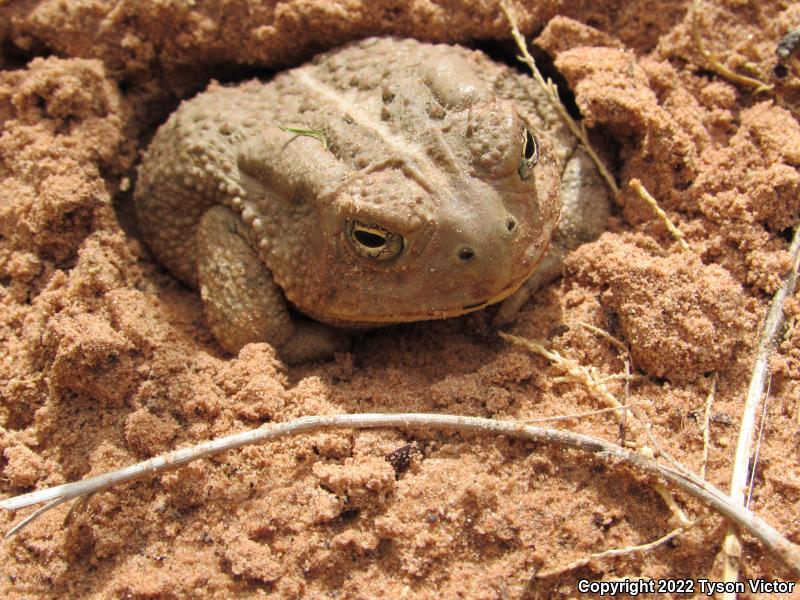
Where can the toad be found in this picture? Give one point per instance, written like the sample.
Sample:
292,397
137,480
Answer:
386,181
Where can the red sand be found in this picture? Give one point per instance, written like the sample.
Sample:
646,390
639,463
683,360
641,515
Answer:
106,360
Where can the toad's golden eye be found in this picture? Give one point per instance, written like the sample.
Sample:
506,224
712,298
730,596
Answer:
373,241
530,153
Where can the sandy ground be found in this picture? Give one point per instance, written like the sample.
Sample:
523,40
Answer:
105,359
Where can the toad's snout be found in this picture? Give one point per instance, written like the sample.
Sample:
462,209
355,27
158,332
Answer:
466,252
484,257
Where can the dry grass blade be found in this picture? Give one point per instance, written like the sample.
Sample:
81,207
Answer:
647,197
713,62
552,92
616,342
754,469
707,424
770,335
580,374
611,553
35,515
774,542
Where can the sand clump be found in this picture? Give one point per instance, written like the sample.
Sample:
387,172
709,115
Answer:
106,359
682,319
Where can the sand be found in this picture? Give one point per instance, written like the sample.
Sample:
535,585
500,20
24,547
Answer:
105,359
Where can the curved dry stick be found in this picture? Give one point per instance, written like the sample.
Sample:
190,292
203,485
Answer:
774,542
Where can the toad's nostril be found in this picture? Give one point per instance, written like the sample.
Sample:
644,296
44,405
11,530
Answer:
511,224
466,253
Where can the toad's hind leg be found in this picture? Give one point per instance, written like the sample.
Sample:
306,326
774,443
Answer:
243,304
584,215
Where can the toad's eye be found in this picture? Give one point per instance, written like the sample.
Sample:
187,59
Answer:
373,241
530,153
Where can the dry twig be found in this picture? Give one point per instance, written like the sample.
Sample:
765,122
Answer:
774,542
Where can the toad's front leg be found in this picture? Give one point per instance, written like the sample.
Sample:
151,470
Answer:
243,304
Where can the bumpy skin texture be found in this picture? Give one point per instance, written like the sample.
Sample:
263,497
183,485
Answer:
420,141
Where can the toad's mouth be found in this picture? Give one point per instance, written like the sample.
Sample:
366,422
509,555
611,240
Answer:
433,314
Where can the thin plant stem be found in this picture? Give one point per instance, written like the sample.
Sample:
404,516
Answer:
551,90
770,334
714,63
775,543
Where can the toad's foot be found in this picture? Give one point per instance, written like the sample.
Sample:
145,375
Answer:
242,302
584,214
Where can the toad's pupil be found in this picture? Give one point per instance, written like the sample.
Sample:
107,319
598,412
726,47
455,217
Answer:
369,239
530,145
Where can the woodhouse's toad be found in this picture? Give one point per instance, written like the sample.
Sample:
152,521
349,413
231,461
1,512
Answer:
386,181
